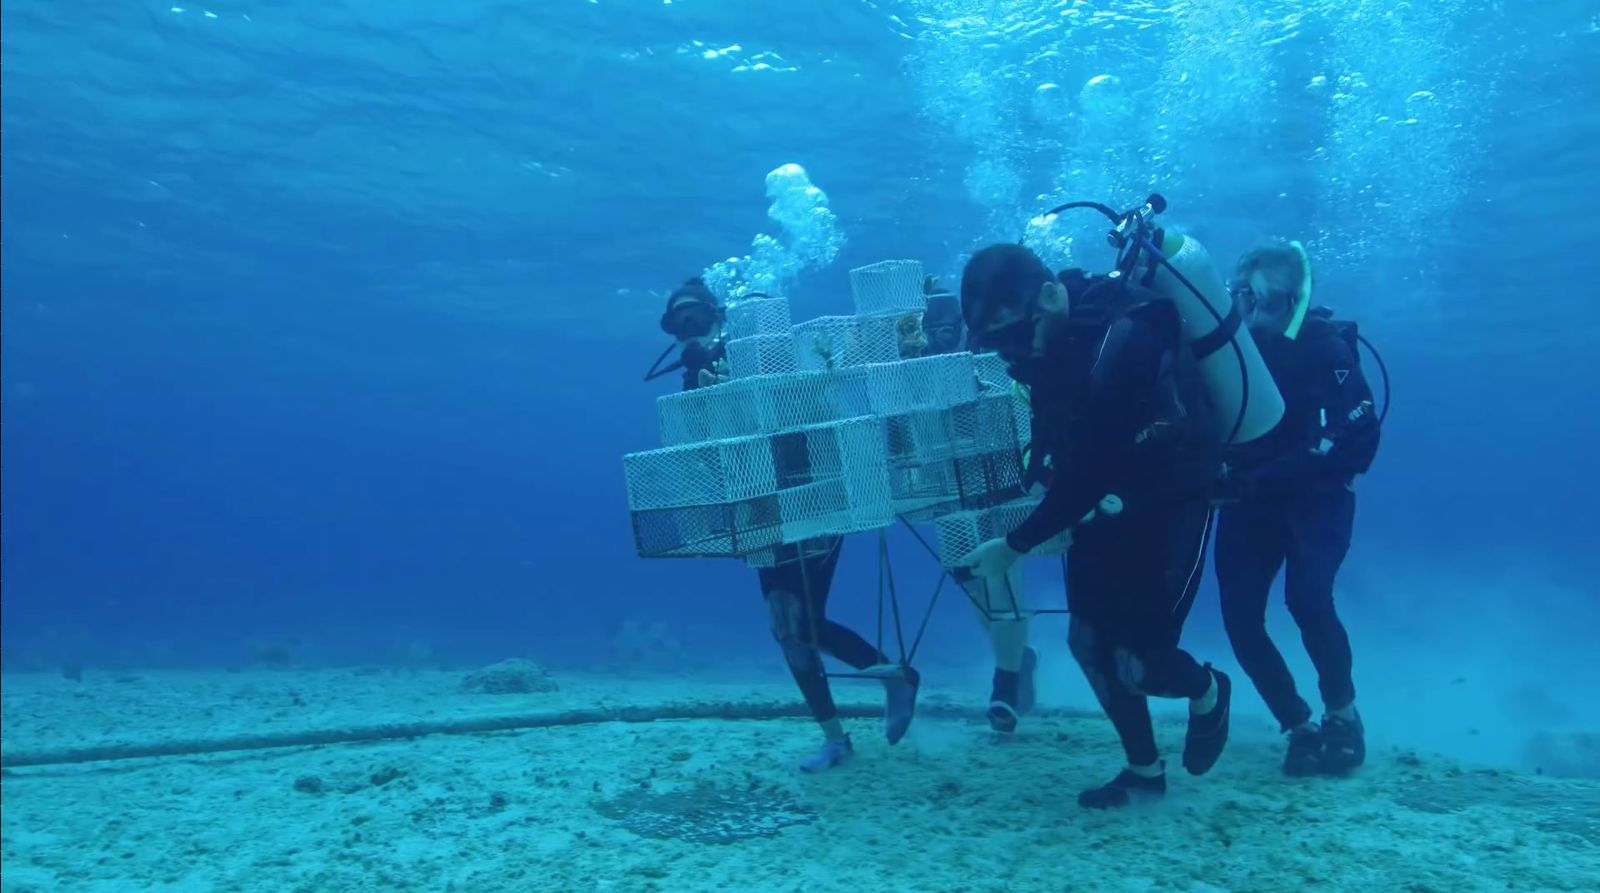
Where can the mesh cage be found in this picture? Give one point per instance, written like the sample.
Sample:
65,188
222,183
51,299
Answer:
907,385
739,496
708,473
761,355
888,287
954,459
764,404
763,316
833,342
993,377
957,534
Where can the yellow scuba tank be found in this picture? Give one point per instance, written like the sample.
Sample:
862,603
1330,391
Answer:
1246,400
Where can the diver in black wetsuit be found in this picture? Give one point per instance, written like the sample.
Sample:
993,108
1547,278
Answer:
796,588
1125,427
1290,501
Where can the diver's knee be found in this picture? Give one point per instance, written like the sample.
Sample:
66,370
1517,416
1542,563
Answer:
1134,672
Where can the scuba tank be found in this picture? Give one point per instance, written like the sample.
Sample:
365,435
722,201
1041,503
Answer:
1245,400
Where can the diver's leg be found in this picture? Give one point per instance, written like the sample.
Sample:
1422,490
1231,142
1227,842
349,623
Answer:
1321,526
1159,592
795,634
845,644
999,605
1129,712
1251,540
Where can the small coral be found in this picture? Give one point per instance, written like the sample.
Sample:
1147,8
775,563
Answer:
514,676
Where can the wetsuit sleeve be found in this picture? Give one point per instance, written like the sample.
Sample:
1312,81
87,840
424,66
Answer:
1129,367
1346,423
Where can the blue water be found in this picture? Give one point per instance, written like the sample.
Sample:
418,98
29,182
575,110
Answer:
324,322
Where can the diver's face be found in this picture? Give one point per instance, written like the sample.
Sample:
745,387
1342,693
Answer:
1263,306
1019,333
696,324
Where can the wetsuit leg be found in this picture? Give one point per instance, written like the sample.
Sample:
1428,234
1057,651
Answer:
1165,558
835,639
1252,540
797,597
1131,582
1127,709
1320,525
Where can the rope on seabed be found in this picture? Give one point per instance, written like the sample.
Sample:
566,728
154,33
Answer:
396,731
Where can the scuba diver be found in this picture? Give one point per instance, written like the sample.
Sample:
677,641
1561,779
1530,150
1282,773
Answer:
1289,501
1124,428
1138,380
997,601
796,588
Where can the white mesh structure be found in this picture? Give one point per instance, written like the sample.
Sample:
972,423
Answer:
761,316
958,533
700,473
761,355
945,460
834,342
929,382
993,377
740,496
761,405
888,287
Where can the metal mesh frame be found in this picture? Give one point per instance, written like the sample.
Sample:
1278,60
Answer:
760,405
964,457
736,497
762,316
994,377
958,533
761,355
835,342
927,382
888,287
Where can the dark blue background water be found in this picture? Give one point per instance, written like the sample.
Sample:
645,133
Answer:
325,321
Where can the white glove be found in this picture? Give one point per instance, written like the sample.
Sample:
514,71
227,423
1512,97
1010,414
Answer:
991,559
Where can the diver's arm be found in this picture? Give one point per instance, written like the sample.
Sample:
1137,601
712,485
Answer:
1130,365
1346,419
1349,416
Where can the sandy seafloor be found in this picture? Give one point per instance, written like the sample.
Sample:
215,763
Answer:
952,809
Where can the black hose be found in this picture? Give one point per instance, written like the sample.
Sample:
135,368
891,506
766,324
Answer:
1383,370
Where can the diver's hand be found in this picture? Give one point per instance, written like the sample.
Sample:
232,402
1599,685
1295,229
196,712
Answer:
709,378
991,559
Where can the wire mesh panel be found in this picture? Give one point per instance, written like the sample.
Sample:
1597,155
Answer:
708,473
762,316
761,355
888,287
834,342
760,405
994,377
958,533
906,385
739,496
961,458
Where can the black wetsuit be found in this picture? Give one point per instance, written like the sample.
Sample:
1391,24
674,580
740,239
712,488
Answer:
1120,410
1297,507
796,590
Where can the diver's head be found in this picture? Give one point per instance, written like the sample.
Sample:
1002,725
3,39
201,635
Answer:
1271,284
693,315
1007,294
941,320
